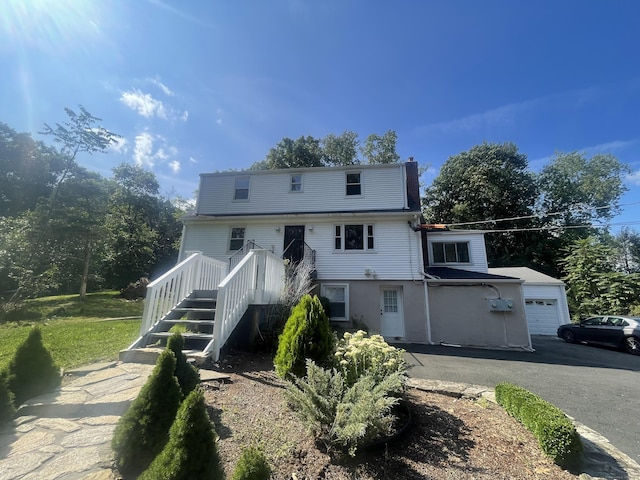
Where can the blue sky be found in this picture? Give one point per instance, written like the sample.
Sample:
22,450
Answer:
203,85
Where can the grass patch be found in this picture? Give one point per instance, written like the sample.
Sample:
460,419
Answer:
76,331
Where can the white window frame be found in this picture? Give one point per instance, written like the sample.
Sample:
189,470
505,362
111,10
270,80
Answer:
444,254
237,188
293,183
339,236
347,184
232,238
345,286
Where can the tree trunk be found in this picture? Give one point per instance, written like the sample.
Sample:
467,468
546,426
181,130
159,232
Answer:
85,269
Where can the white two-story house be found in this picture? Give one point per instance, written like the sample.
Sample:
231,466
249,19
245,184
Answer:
373,258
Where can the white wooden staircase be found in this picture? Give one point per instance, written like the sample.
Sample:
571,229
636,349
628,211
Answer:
200,295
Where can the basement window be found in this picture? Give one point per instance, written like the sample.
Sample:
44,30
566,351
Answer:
338,295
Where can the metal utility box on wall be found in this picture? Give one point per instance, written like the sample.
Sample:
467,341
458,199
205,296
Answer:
500,304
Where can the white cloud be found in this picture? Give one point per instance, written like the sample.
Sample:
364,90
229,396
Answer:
144,104
175,166
143,150
219,116
185,116
151,149
166,90
119,145
193,160
634,178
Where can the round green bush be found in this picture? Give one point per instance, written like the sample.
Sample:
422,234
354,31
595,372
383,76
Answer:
143,430
306,334
192,451
31,371
252,465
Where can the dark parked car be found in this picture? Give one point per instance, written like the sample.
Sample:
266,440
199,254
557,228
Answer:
614,330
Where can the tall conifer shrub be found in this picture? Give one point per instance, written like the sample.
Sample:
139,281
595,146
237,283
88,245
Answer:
306,335
32,371
143,430
187,375
192,451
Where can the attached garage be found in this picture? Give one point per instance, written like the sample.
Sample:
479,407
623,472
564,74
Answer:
544,298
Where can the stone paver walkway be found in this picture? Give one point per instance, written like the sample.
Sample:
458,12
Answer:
66,435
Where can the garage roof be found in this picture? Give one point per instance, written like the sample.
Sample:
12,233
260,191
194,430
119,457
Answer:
529,275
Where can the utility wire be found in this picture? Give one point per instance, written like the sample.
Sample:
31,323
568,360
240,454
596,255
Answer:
560,227
540,215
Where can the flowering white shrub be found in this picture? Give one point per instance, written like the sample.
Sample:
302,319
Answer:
358,355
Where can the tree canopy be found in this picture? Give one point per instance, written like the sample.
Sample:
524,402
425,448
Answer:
332,150
64,228
545,212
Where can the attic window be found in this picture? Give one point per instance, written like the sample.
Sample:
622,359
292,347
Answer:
242,188
450,252
296,182
354,185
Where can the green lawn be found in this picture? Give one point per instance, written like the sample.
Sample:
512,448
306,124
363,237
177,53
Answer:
76,332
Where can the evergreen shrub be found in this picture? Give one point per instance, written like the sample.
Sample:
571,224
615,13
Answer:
192,451
252,465
7,410
306,334
143,430
342,415
187,375
31,371
554,431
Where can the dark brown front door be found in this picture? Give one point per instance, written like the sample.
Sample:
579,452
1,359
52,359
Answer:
294,243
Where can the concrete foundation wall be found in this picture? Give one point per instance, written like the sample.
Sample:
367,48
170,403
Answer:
460,315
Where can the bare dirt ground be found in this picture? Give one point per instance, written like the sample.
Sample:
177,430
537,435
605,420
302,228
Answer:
449,438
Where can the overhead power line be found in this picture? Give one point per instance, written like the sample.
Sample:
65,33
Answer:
541,215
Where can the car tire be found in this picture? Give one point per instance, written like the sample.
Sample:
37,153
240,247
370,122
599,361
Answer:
633,345
567,336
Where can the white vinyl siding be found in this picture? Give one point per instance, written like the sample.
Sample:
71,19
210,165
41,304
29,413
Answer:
383,188
476,250
396,255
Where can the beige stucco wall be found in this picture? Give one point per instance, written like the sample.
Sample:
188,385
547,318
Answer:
364,304
459,315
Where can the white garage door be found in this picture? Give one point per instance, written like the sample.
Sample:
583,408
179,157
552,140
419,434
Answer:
542,316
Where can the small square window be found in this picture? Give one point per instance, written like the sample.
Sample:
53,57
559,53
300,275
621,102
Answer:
354,185
237,238
296,182
242,188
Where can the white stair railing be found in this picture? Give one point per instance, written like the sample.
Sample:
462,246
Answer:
257,279
197,272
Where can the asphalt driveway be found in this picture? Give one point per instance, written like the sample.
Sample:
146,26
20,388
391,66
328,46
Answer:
599,387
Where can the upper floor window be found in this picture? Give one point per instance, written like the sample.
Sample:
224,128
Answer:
236,241
241,188
296,182
354,183
353,237
450,252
